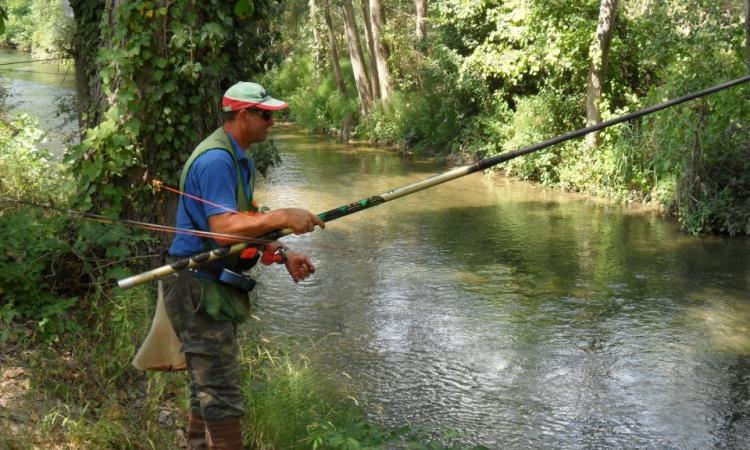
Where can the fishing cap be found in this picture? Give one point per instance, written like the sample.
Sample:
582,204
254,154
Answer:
246,94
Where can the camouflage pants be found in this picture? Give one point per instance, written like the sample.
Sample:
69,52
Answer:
210,348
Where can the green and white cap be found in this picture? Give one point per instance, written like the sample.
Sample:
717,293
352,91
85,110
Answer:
246,94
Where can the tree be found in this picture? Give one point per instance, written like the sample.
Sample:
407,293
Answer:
381,57
340,84
372,64
334,52
599,60
153,73
355,54
421,21
318,49
747,31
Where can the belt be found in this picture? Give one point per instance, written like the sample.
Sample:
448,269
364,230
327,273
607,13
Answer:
216,271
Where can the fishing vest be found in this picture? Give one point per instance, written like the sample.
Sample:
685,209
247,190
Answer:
220,301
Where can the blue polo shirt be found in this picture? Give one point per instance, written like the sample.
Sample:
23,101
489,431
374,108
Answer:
212,177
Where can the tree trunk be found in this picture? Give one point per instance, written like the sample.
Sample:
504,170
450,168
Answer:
747,31
421,22
355,53
318,45
372,65
346,125
334,51
598,68
381,55
85,41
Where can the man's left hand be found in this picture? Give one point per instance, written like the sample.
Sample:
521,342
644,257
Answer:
299,266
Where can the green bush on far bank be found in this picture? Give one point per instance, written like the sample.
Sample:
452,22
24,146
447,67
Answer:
37,26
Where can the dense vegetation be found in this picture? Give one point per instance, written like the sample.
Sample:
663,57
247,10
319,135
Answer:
487,77
37,26
456,78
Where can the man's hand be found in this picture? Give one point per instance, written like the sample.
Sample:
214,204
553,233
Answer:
299,220
299,266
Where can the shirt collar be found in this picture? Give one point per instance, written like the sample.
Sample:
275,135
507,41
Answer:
238,152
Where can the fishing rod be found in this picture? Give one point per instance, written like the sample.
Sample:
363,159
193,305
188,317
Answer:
351,208
249,241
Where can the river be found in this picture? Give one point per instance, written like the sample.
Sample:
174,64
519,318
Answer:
36,88
519,316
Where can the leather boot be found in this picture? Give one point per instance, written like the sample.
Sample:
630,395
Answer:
196,432
225,435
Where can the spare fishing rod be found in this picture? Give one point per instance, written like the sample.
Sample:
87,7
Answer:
250,241
327,216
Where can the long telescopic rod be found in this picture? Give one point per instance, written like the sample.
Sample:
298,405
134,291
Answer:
197,260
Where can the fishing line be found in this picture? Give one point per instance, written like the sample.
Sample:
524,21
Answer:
140,225
31,60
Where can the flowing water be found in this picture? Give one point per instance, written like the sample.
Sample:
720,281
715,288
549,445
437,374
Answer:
35,88
519,316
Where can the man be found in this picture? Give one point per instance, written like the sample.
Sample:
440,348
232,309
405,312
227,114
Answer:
205,305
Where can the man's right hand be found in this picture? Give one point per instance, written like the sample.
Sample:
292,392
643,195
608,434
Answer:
299,220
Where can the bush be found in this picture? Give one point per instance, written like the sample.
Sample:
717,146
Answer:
536,119
704,146
38,26
33,243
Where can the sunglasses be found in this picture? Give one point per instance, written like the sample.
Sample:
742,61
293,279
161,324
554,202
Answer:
266,115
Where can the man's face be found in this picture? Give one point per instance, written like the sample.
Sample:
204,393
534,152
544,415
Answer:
255,124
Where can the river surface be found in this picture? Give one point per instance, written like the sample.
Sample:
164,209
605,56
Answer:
518,316
36,88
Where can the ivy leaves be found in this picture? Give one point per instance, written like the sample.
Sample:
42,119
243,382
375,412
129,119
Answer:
244,8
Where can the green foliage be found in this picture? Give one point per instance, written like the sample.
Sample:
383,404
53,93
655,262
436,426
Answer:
32,244
705,148
363,435
24,167
162,70
34,248
3,19
38,26
498,76
314,103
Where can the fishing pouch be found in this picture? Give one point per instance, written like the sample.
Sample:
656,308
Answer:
224,302
224,293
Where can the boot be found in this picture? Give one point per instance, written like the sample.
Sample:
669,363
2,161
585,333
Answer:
196,432
225,435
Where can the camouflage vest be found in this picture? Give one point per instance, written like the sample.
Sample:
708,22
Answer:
220,301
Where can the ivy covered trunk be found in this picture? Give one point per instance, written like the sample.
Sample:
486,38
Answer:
151,74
